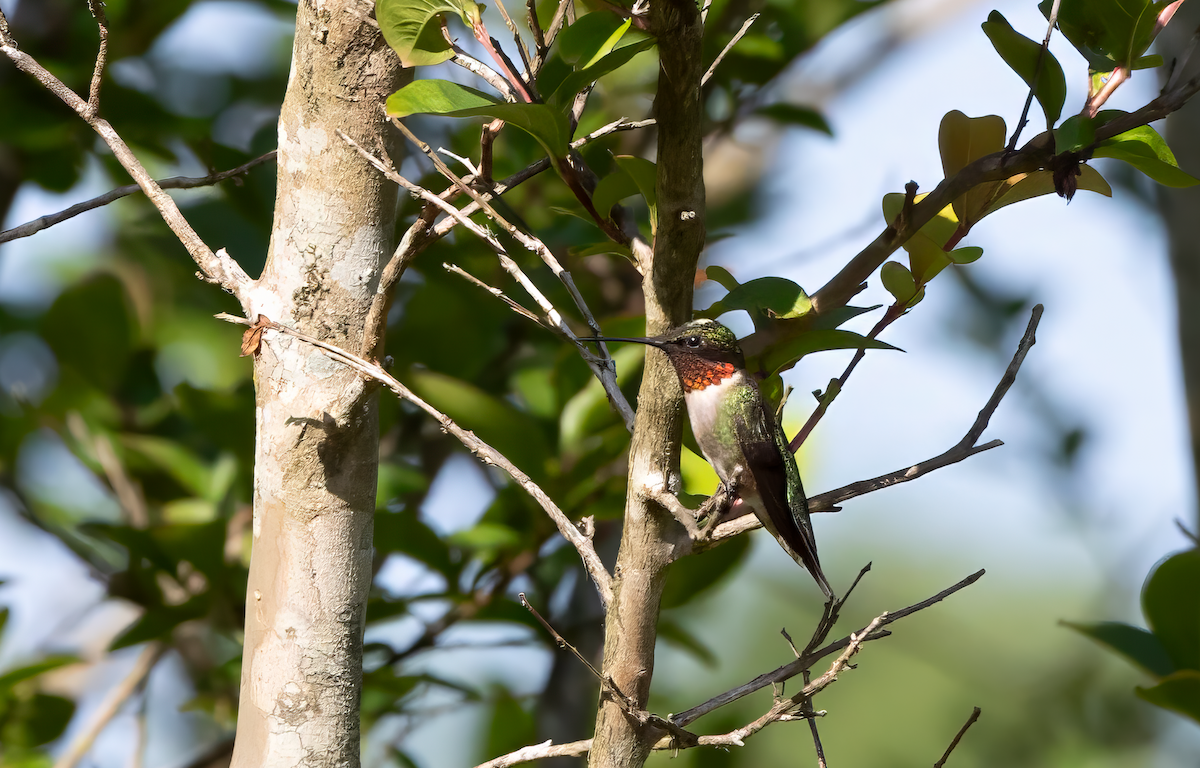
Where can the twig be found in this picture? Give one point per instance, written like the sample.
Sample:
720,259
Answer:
556,23
528,79
1006,381
175,182
559,639
806,661
1037,71
418,235
1180,63
111,705
217,268
837,385
93,106
784,709
602,366
728,47
539,752
491,76
486,453
499,294
957,737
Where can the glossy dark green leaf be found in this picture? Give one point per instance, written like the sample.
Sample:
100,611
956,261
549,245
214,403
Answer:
591,37
1109,33
1145,150
794,114
611,190
1171,603
580,79
722,277
784,355
32,721
1022,54
764,299
1135,644
1178,692
442,97
412,29
1075,133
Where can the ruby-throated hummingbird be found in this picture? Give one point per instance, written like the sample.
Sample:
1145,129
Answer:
738,434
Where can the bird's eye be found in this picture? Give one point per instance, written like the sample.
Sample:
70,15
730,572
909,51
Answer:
692,341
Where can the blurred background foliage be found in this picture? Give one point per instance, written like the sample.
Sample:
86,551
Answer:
126,436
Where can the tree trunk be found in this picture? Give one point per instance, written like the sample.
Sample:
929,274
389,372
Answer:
1181,207
316,455
650,534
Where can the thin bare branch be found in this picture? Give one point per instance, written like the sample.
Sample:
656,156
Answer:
603,367
175,182
728,47
539,752
111,705
97,9
499,294
218,267
1037,71
806,661
961,731
491,76
486,453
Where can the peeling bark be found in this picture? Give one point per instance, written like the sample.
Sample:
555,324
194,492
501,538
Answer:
650,534
316,453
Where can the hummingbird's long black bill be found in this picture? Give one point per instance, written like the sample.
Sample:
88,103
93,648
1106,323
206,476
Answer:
641,340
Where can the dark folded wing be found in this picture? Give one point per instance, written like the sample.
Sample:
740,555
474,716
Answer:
766,463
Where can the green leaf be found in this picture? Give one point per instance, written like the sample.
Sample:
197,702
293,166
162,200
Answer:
690,577
403,532
722,276
1109,33
676,634
1021,53
645,177
1028,185
1075,133
176,460
1148,62
793,114
410,29
487,537
514,433
611,190
764,299
965,255
32,721
1135,644
588,38
961,141
898,281
1178,692
29,671
580,79
785,354
1171,603
442,97
396,480
159,622
1145,150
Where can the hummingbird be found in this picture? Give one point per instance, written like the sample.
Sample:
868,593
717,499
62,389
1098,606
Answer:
739,436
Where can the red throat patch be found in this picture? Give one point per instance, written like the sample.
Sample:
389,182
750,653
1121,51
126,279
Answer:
701,374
